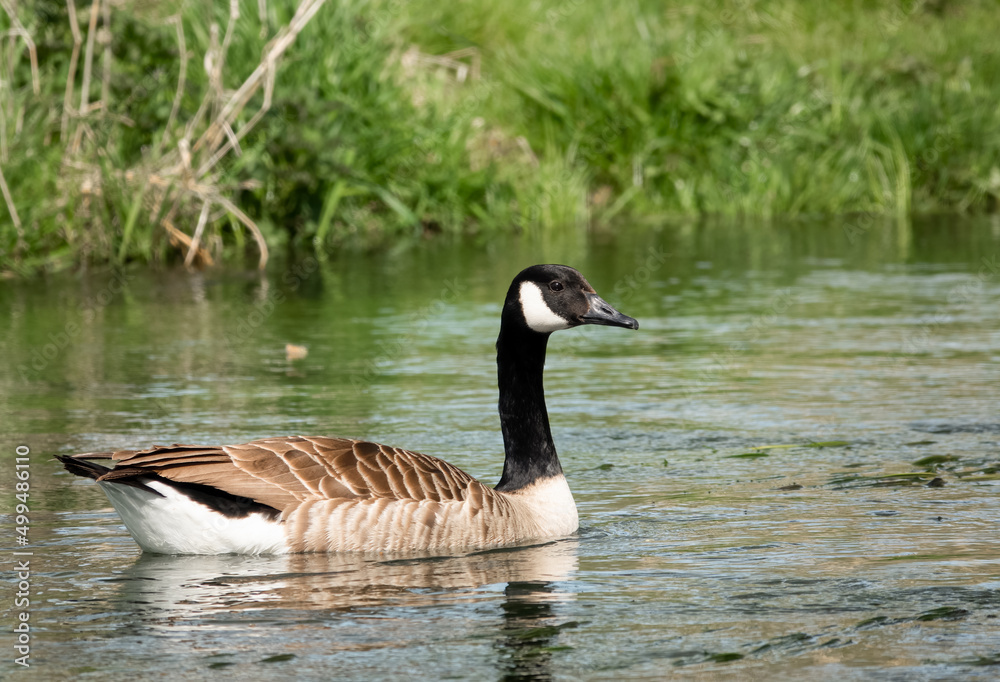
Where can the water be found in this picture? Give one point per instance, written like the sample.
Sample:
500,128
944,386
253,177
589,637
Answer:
702,553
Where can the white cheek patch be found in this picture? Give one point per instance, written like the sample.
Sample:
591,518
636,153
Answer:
537,313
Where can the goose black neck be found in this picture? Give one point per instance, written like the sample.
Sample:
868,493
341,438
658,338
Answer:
530,452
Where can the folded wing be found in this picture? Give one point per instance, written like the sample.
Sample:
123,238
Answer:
284,472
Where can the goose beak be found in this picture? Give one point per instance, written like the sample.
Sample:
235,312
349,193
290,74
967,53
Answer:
600,312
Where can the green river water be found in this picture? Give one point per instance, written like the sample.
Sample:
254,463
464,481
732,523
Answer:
790,471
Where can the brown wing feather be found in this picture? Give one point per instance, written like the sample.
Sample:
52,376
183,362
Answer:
282,472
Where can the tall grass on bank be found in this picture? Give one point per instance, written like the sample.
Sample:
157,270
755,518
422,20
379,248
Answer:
741,107
132,131
175,173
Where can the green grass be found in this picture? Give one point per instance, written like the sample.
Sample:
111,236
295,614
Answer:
762,109
580,114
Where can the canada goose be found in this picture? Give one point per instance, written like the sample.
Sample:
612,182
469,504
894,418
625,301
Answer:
321,494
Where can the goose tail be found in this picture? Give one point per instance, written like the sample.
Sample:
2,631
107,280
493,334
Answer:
169,517
78,465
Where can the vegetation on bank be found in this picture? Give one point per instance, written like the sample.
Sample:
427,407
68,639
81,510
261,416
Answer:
183,130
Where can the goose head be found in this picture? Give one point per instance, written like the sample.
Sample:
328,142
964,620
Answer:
547,298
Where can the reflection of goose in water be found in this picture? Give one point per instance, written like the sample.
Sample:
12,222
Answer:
348,616
320,494
529,631
178,586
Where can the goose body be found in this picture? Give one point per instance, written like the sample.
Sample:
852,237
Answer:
324,494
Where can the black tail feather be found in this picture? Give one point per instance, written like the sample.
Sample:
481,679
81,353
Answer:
233,506
82,467
125,476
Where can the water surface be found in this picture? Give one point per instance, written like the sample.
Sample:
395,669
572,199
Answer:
790,471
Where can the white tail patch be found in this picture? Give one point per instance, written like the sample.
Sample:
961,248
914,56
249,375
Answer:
176,524
537,313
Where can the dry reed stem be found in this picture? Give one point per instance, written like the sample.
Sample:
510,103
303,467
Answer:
234,16
3,130
414,58
181,80
196,240
233,140
286,36
250,225
214,59
105,34
175,169
19,30
525,146
262,11
219,132
184,149
209,195
179,236
169,216
10,201
158,201
88,55
71,78
195,120
88,64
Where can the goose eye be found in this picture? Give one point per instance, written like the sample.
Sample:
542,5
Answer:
556,286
